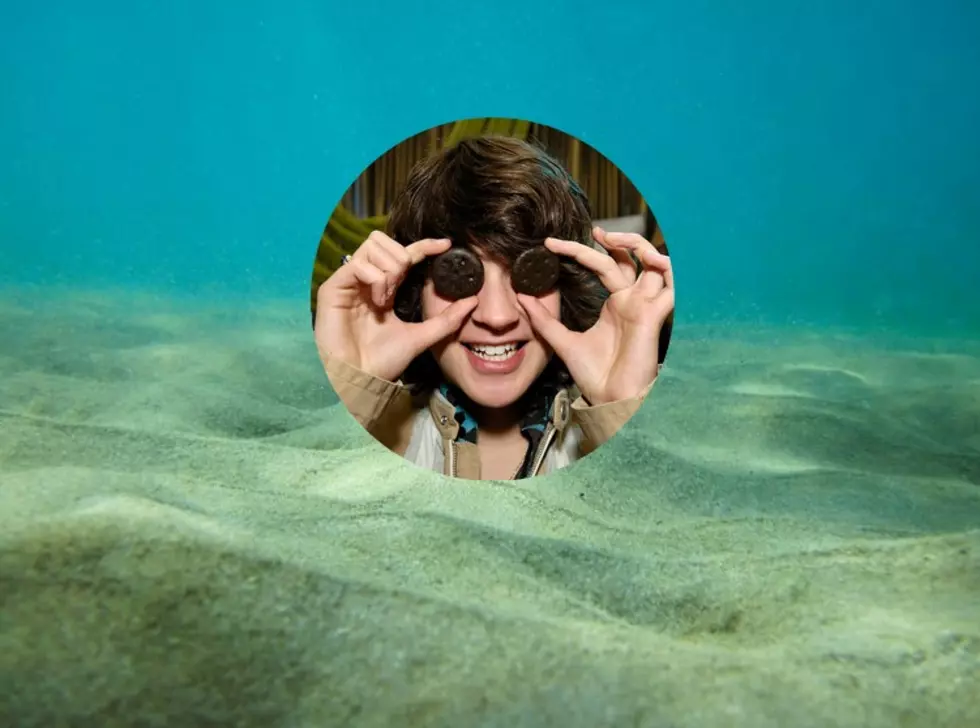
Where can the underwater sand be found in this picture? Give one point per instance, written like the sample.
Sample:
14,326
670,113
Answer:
193,532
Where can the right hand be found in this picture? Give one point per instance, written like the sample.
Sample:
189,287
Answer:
355,320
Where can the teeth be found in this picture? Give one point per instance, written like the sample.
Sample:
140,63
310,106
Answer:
494,349
494,353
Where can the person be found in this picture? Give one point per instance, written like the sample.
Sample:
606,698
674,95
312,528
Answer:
500,385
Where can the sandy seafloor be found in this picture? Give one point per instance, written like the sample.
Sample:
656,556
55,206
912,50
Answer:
194,533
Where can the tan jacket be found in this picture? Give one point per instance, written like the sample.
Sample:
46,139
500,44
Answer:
423,429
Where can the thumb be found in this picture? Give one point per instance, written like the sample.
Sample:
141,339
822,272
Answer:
551,329
437,328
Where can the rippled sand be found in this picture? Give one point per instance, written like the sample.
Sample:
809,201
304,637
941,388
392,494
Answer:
192,532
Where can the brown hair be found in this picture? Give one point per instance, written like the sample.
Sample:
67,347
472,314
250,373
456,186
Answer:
500,196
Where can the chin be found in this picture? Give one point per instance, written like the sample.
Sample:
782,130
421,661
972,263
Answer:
495,389
495,395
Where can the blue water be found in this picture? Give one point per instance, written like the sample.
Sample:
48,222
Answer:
809,162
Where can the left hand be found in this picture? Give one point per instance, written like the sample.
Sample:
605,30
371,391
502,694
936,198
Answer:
618,357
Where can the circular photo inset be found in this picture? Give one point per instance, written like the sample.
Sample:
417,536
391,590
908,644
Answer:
492,299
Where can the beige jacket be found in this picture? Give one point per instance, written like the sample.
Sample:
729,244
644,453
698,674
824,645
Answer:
423,429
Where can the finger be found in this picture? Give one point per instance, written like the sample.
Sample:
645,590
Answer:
656,269
603,265
658,260
353,273
662,305
632,242
395,249
366,274
380,258
420,250
657,273
447,323
395,259
552,330
626,262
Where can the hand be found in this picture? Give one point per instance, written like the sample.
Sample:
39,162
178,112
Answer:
618,357
355,319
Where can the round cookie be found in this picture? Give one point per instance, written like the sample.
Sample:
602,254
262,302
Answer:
535,271
457,274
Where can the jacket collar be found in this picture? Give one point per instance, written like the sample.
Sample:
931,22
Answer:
443,413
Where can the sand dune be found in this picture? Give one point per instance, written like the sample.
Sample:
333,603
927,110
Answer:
194,532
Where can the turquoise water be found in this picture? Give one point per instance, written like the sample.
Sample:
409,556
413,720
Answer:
814,163
193,532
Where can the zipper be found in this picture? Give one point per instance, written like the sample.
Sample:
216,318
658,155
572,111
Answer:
452,458
549,435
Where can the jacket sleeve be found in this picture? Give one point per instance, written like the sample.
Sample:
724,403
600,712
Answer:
380,406
599,423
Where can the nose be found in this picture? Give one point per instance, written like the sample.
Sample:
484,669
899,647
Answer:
497,307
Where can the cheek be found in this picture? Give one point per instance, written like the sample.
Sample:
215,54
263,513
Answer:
432,305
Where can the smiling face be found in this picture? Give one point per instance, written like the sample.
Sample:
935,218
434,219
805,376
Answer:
496,355
501,196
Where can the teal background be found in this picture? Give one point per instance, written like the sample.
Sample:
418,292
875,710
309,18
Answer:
809,162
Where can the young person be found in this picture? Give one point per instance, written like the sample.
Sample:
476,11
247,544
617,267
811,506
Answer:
499,384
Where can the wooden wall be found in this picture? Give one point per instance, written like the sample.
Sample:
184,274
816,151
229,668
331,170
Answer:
609,191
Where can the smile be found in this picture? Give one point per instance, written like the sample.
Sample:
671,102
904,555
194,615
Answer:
499,353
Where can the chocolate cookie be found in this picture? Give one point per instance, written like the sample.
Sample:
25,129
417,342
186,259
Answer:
535,271
457,273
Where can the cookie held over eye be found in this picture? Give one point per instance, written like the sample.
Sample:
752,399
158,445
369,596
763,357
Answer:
457,273
535,271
